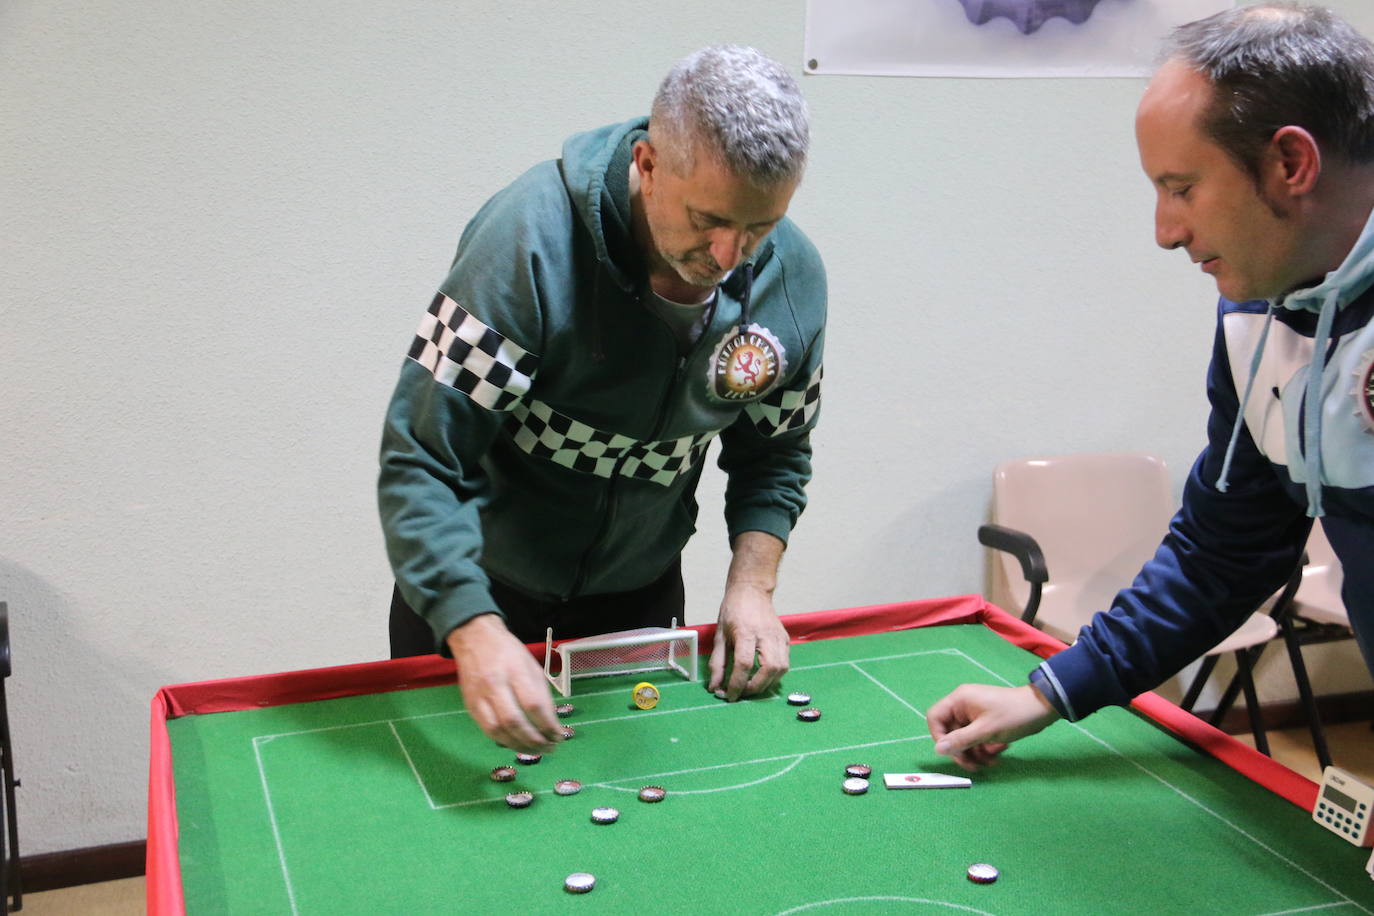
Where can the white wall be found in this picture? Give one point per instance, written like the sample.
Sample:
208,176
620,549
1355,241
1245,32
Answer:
219,224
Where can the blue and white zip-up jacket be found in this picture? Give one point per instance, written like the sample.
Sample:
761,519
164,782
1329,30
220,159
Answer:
1245,514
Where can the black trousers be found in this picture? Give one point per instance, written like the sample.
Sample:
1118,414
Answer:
654,605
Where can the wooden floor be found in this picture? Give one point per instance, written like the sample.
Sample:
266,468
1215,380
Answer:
1352,747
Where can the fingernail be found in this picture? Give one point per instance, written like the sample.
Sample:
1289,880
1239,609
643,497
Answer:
942,747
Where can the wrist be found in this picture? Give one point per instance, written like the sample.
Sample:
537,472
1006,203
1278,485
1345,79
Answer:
1046,691
488,622
759,587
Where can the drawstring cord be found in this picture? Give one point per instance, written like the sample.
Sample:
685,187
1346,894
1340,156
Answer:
1222,482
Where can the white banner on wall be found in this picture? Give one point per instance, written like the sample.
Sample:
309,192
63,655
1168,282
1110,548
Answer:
992,38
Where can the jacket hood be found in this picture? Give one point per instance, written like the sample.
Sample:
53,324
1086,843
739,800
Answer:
601,198
1338,289
1346,283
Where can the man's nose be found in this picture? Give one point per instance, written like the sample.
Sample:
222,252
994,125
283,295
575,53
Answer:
727,247
1170,232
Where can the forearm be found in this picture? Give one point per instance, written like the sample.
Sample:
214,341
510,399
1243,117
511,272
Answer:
754,561
429,498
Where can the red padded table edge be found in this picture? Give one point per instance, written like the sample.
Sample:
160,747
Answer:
164,891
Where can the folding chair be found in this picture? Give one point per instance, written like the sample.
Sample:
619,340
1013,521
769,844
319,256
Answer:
1095,519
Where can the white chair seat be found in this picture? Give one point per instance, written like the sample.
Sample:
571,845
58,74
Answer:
1319,597
1259,628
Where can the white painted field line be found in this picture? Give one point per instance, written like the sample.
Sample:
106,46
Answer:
692,771
922,900
413,769
276,832
892,692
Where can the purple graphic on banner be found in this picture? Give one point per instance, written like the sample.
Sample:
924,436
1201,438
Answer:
1028,15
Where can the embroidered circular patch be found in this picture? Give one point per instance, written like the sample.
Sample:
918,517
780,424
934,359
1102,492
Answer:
746,364
1364,390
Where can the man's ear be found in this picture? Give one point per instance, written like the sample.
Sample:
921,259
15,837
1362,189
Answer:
1294,161
646,160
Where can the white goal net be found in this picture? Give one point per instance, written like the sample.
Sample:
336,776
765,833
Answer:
627,652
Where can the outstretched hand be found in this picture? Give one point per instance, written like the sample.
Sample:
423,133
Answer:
976,723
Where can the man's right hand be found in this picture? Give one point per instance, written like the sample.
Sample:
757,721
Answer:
975,723
504,689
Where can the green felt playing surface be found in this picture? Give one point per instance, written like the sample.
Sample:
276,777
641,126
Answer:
383,804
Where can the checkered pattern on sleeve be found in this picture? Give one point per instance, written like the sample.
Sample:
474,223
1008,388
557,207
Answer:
787,409
543,432
463,353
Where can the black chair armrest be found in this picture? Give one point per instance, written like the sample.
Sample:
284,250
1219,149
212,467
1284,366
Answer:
1024,547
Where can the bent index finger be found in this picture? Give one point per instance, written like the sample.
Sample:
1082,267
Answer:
773,664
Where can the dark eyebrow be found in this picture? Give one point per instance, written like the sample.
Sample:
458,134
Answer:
1175,176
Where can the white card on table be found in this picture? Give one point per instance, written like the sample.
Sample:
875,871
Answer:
925,781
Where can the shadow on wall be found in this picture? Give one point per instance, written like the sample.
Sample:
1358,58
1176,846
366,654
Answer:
884,559
78,720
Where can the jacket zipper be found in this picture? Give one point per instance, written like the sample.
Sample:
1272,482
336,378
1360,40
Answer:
609,498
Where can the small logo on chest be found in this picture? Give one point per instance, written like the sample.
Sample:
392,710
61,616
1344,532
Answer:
745,364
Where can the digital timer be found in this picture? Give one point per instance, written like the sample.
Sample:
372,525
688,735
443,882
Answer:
1344,806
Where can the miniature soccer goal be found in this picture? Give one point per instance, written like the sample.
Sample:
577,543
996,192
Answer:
626,652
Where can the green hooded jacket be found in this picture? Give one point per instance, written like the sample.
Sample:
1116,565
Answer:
545,431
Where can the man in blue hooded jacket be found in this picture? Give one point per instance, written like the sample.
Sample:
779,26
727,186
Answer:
606,316
1258,135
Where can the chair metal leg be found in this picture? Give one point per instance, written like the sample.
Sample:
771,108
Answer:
1204,671
1233,688
1309,702
1245,673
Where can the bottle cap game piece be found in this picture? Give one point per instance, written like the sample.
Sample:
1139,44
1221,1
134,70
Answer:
579,883
982,873
645,695
605,815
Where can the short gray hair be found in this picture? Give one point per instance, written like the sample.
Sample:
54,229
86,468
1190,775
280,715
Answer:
1277,64
738,106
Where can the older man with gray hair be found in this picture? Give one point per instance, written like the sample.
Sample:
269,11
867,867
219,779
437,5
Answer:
607,315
